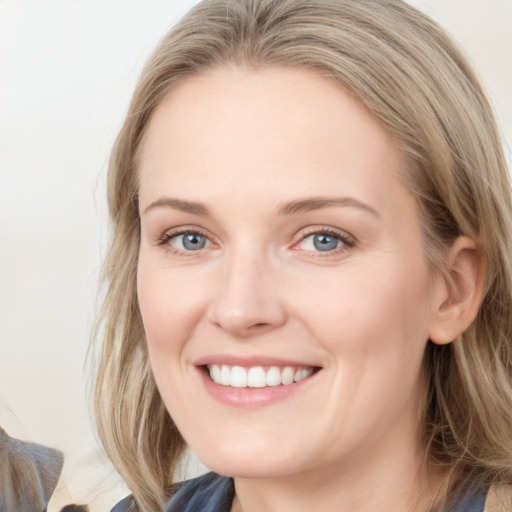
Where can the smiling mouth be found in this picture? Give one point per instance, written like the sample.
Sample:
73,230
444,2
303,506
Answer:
257,376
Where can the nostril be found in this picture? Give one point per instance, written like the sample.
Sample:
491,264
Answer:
258,325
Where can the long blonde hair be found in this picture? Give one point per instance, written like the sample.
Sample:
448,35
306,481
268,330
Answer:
409,74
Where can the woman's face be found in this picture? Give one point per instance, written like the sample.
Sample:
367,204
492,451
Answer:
282,278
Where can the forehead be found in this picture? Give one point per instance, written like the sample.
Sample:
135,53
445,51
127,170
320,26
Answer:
264,99
235,128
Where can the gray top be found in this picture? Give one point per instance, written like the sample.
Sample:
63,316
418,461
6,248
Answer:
214,493
33,471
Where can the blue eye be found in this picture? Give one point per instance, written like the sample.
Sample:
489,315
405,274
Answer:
189,241
321,242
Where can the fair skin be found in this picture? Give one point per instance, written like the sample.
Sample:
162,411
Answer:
278,238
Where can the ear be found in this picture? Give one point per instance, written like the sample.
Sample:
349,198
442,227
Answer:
461,291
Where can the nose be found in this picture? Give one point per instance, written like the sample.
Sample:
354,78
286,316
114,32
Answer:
247,301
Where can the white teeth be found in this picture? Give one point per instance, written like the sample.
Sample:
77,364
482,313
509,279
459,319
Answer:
225,376
302,373
273,376
238,377
216,373
257,376
287,375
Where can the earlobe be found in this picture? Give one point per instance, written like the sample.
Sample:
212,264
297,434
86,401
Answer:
462,291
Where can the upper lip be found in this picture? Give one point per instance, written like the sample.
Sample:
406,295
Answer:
250,361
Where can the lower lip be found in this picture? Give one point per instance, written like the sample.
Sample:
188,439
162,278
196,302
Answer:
252,397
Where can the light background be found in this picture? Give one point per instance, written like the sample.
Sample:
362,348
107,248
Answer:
67,70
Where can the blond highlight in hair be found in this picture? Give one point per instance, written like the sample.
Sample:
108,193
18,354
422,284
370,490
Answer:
417,84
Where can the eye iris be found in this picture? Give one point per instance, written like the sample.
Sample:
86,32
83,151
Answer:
323,242
193,241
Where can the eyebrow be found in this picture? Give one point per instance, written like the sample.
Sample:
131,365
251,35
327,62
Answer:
293,207
315,203
178,204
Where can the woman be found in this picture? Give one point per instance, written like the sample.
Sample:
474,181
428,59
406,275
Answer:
308,281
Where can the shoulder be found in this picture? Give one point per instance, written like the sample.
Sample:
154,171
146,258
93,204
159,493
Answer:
207,493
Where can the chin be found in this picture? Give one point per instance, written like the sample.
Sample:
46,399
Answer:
248,464
245,469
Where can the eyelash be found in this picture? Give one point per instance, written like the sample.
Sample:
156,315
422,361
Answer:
347,241
165,239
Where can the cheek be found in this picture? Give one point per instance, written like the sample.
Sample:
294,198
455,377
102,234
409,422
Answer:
169,304
373,309
170,308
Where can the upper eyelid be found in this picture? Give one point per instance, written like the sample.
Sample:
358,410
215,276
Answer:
163,238
184,230
348,242
183,234
340,233
169,234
